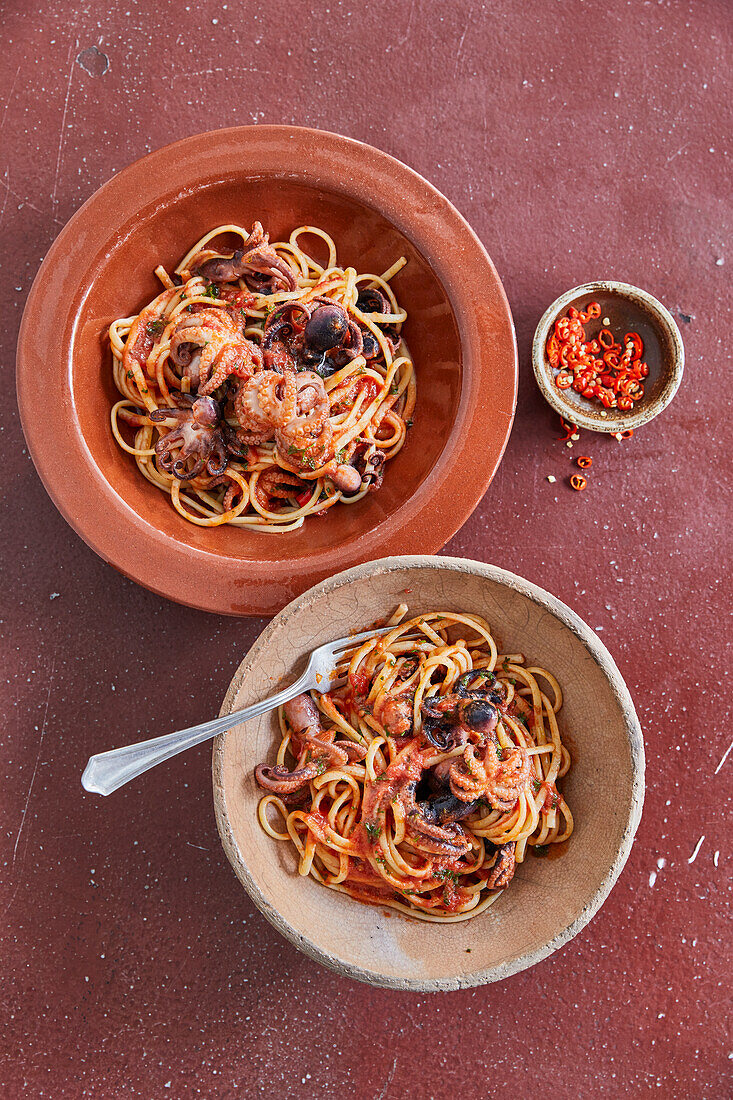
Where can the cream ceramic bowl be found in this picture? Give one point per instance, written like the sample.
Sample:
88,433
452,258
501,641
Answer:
550,899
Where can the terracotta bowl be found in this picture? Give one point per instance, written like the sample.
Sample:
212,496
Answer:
550,899
459,331
628,309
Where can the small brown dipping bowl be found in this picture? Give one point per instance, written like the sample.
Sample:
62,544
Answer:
459,331
549,900
628,309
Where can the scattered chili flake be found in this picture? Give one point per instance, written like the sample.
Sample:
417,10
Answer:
584,461
599,367
577,481
568,428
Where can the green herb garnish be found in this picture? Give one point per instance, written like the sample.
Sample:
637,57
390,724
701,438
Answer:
155,328
447,875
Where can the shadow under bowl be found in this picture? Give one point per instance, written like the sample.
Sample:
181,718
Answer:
628,309
550,899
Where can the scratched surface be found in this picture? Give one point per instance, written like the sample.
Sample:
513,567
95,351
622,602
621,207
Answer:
581,141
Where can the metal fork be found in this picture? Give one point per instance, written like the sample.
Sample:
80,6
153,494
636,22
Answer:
107,771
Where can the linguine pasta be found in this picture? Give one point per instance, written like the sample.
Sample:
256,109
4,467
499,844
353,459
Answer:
261,387
425,774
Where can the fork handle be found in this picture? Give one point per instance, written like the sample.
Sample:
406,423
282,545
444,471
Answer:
107,771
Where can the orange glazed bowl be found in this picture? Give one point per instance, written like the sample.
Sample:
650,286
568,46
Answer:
459,331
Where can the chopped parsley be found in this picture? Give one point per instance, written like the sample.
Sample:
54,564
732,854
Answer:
537,784
211,291
447,875
372,830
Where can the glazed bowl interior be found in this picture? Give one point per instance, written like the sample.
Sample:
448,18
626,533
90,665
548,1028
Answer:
122,282
550,898
624,308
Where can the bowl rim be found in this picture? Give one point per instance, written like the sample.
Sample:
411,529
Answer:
633,418
199,576
597,651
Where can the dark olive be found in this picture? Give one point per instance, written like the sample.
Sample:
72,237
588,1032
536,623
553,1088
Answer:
372,300
326,329
478,715
371,345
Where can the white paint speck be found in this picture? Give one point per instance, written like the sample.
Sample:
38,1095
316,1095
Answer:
723,758
698,846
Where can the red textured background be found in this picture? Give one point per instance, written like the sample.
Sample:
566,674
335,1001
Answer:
582,141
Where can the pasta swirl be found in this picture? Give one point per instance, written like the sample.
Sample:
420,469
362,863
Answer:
426,774
260,387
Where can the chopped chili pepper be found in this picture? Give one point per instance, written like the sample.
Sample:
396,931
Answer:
569,430
598,368
584,461
577,481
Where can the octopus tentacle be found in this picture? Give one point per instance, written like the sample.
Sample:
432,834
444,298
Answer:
502,871
257,263
279,780
196,436
500,775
